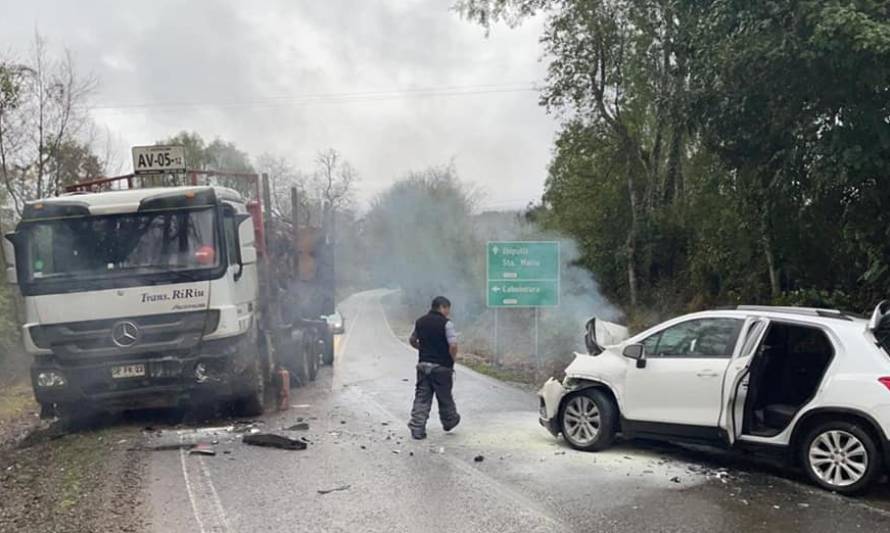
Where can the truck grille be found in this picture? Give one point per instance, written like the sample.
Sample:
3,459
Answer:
131,336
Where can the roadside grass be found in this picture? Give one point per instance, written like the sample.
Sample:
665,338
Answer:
501,373
16,399
78,459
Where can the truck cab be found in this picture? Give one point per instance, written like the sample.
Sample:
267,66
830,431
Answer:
139,298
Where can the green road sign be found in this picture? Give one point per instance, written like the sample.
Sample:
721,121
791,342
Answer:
523,293
523,274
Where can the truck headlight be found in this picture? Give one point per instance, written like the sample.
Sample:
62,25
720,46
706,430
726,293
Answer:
51,379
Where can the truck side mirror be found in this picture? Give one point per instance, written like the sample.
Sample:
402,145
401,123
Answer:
9,253
245,243
248,255
636,351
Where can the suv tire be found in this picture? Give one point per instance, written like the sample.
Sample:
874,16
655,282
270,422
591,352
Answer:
588,420
840,456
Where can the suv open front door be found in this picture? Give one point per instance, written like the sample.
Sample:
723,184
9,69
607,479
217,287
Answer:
735,382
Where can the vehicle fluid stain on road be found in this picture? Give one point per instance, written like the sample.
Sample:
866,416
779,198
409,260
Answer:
528,481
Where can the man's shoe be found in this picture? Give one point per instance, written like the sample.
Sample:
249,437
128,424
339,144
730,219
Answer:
417,435
452,425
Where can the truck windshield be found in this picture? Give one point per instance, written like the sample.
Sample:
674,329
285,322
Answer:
119,245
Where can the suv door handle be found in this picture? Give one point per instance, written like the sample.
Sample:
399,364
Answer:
708,374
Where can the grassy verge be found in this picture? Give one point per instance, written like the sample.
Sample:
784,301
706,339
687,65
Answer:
16,399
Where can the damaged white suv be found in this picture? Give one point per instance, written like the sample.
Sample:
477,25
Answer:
815,382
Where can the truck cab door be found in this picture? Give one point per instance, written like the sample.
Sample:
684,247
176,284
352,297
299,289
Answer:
736,381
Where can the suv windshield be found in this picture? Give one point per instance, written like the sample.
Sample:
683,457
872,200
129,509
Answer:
140,243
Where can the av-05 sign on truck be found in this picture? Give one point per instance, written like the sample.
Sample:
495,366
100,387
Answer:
523,274
158,159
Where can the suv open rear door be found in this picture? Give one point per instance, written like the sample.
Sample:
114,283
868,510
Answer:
735,382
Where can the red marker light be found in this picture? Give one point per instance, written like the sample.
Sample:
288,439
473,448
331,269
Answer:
205,255
885,382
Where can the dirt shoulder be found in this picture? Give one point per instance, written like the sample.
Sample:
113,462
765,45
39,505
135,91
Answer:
18,412
56,480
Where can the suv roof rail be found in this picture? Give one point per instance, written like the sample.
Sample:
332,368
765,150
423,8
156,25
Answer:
807,311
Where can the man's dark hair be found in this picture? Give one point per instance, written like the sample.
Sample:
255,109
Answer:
440,302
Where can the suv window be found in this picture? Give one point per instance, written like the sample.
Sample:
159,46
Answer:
704,337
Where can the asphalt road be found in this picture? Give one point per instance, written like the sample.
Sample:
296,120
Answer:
526,481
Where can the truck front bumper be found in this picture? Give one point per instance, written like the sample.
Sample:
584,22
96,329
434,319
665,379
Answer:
166,381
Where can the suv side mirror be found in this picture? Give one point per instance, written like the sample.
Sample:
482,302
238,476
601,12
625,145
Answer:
636,351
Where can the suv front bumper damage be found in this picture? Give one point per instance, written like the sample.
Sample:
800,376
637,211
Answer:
550,396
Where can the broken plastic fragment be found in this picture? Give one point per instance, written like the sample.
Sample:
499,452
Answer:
335,489
271,440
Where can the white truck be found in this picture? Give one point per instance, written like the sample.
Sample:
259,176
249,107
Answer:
164,296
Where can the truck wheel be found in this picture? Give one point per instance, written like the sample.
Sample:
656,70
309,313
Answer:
587,419
307,360
252,403
328,358
840,456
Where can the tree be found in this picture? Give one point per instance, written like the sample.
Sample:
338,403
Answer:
618,68
740,148
793,97
42,108
283,177
333,180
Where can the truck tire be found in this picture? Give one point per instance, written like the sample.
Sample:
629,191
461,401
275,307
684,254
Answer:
328,358
252,403
307,359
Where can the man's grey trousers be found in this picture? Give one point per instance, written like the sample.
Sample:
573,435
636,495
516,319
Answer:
433,379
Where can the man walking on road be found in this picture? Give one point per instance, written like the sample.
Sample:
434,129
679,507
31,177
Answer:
435,339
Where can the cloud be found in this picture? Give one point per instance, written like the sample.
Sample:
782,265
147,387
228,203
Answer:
395,85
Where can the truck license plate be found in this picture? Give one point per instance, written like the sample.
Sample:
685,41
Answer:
127,371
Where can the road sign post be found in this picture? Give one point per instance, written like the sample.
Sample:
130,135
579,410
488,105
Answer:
522,274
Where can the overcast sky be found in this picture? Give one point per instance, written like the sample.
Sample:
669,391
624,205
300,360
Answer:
395,85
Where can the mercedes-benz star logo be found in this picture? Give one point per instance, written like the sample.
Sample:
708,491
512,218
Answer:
125,334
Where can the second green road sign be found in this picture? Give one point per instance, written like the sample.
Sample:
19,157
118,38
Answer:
523,274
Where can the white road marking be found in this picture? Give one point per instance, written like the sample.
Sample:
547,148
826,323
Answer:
188,489
212,519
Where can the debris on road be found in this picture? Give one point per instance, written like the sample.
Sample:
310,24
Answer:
271,440
302,426
202,448
479,458
335,489
675,479
246,426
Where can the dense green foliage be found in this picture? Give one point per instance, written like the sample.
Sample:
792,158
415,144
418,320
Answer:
719,152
